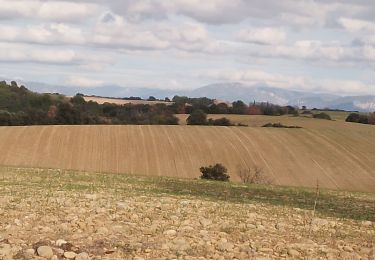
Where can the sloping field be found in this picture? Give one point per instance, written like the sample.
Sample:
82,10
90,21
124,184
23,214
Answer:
117,101
339,155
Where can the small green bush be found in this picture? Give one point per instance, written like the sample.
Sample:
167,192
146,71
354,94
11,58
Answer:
279,125
220,122
322,116
197,117
215,172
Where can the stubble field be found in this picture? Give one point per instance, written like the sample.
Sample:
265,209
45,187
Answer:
335,154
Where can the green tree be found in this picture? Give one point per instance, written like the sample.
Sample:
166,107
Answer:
197,117
239,107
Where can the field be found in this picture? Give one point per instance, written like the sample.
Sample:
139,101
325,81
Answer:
117,216
336,154
101,100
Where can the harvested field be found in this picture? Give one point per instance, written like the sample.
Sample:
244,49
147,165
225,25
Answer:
338,155
117,101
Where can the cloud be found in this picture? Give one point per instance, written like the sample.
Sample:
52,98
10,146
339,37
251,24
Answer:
304,83
25,53
349,87
267,36
58,11
10,52
355,25
325,53
255,77
55,33
79,81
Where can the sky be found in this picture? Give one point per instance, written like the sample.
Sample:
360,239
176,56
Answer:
308,45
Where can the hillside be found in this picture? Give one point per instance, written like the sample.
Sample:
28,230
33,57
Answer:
339,155
117,101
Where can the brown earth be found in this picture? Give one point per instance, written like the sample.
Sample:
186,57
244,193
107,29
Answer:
338,155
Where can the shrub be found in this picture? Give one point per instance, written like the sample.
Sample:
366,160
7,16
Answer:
220,122
322,116
253,175
306,112
215,172
197,117
361,118
279,125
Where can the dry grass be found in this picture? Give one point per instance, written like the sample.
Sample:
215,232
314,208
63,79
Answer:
340,155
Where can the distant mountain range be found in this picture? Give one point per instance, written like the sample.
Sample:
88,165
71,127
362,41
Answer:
226,92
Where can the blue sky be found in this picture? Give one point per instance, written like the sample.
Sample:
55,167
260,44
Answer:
319,46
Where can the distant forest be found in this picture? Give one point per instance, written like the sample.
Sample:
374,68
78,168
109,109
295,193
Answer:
20,106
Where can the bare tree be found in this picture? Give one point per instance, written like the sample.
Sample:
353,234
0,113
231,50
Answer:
254,175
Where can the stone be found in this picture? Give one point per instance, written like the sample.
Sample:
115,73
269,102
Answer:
5,251
30,252
205,222
266,250
180,244
45,251
70,255
60,242
82,256
366,223
225,246
293,253
170,232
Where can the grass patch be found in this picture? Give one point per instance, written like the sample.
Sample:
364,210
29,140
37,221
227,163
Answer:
350,205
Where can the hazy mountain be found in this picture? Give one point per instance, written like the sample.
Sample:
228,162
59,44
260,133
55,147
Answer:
261,93
227,92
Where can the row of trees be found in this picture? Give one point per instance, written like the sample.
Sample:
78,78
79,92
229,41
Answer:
19,106
361,118
185,105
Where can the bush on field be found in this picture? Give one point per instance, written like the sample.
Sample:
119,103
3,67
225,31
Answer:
215,172
253,175
322,116
197,117
220,122
280,125
361,118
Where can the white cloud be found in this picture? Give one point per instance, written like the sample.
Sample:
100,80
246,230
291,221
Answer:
255,77
24,53
80,81
42,34
59,11
305,83
355,25
268,36
349,87
325,53
11,52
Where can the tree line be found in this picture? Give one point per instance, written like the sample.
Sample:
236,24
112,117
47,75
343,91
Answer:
186,105
20,106
368,119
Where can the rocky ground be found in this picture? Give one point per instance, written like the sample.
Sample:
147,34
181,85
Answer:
66,222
